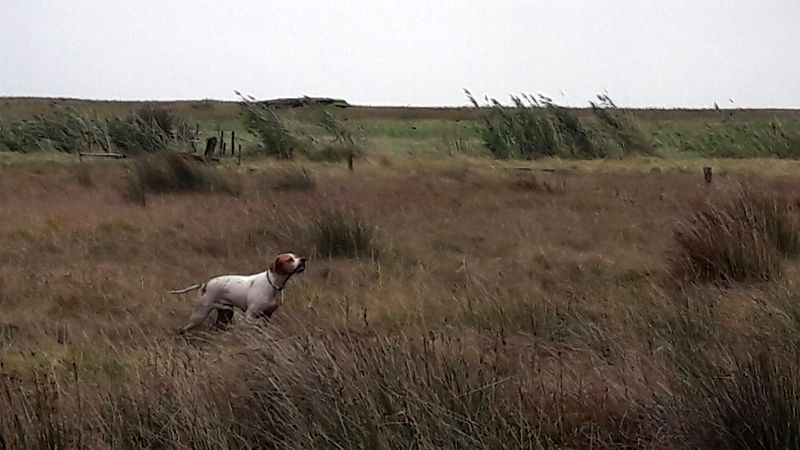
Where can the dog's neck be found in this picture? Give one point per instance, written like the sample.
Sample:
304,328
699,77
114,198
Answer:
277,281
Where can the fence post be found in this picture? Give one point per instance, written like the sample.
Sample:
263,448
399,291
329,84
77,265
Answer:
211,145
221,142
708,175
240,154
233,143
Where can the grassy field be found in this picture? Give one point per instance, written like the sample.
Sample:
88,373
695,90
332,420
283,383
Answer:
489,303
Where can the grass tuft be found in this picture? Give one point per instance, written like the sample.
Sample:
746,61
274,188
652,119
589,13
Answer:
338,233
169,172
743,238
754,404
293,179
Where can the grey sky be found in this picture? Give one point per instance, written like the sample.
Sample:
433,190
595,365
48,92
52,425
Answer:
406,52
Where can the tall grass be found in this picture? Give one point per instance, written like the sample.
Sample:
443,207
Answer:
169,172
621,126
263,121
135,134
341,233
751,403
741,238
71,131
292,179
62,129
732,138
416,391
535,127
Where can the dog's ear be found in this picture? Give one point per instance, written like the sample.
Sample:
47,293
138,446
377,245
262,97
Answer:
281,265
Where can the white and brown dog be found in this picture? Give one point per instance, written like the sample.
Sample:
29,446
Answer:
258,295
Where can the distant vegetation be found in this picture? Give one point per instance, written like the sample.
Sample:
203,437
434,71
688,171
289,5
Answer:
530,127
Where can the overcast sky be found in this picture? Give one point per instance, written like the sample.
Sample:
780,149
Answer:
663,53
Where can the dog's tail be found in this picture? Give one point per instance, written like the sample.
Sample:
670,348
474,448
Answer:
188,289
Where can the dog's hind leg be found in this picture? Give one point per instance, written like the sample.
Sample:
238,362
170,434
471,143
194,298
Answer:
198,316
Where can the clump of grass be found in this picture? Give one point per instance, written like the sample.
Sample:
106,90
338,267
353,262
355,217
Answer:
134,134
158,116
621,126
744,238
336,152
293,179
169,172
339,233
531,183
342,147
537,127
754,404
263,121
63,129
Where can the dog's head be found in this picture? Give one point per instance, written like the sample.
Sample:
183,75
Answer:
288,264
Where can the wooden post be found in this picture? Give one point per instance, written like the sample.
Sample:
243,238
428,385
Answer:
222,150
240,154
233,143
222,141
211,145
708,175
350,161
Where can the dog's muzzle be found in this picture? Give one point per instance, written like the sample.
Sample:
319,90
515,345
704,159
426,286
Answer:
301,266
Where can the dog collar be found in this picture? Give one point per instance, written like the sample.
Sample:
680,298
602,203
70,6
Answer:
274,286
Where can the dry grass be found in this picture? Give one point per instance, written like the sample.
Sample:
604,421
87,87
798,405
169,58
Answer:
502,316
742,237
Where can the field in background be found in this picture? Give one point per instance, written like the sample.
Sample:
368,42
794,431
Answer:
485,306
398,131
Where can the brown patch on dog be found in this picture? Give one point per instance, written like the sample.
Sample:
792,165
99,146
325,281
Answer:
282,264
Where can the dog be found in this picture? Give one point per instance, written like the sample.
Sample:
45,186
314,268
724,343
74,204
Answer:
258,295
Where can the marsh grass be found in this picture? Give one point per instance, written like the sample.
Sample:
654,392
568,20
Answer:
169,172
743,237
292,179
342,233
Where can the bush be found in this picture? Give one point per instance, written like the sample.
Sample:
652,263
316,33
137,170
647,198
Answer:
337,233
743,238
